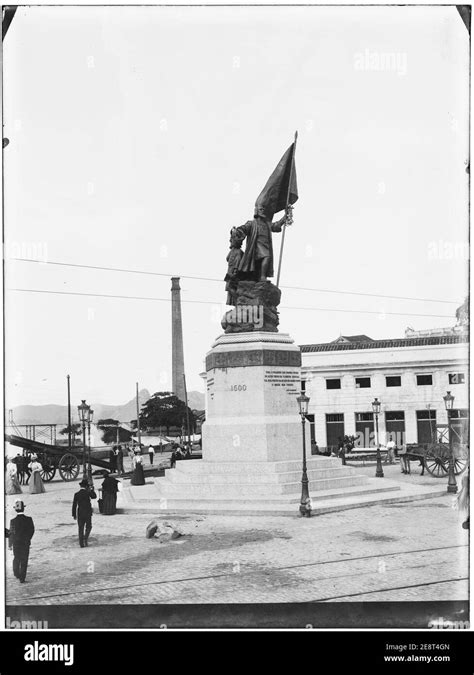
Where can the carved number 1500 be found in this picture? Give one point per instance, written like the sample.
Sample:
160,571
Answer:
238,387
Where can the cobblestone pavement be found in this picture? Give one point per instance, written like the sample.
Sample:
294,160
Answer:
407,551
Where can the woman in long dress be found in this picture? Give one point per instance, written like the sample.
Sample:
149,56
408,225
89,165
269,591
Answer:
12,484
463,498
138,476
36,482
109,495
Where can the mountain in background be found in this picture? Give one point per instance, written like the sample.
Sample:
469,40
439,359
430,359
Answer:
57,414
196,400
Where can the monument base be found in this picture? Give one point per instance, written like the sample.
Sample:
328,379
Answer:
252,438
253,380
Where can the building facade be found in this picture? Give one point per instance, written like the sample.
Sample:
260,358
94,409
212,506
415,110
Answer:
409,376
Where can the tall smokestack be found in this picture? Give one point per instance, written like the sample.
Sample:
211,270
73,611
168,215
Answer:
177,340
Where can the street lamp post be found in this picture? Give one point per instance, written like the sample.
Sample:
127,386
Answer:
305,505
89,467
452,485
376,406
428,407
85,414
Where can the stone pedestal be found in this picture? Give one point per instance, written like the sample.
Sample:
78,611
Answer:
253,380
252,439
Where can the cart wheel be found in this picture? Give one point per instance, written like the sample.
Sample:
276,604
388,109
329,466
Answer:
459,465
69,467
48,472
437,464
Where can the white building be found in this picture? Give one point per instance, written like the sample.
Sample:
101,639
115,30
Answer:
409,376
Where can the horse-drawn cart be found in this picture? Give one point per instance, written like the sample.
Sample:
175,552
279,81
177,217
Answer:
435,457
68,465
56,458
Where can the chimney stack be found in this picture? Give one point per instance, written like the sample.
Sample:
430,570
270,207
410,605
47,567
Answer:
177,340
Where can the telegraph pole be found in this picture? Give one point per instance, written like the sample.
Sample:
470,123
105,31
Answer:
187,409
138,420
69,432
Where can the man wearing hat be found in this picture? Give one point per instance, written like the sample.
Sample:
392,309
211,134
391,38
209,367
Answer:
21,533
82,511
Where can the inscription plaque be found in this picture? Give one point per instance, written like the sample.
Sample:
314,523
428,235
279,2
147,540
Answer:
257,357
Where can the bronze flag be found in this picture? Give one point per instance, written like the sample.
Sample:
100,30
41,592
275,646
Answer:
281,188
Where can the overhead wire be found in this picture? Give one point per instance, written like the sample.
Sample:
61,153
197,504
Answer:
213,279
211,302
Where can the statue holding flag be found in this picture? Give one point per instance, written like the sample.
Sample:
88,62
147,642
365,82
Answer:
280,192
254,297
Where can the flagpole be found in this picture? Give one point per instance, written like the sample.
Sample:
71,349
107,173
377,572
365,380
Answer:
287,202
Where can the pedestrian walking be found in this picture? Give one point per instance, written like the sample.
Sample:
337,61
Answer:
120,468
151,453
404,460
463,499
82,511
21,532
12,485
36,485
138,476
113,459
110,488
391,451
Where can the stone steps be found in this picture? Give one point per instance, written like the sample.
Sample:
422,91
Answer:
202,466
246,480
167,488
149,493
341,503
181,477
377,491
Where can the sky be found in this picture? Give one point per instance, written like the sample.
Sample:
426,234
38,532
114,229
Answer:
140,135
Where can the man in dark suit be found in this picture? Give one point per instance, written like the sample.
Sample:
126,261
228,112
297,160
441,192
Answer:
120,460
82,511
113,459
21,532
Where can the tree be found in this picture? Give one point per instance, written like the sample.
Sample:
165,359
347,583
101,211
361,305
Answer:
109,428
75,430
164,409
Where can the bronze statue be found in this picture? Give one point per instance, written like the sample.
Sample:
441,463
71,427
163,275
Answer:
233,261
253,297
257,261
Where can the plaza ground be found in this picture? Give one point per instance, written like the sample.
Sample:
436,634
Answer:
415,551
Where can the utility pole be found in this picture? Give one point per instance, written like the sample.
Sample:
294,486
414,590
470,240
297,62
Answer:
138,419
69,430
84,462
433,437
187,409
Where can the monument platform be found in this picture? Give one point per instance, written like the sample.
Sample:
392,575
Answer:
252,443
185,490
